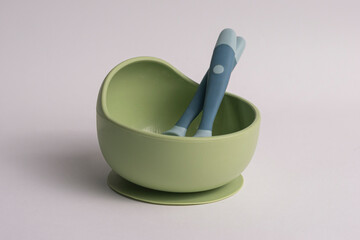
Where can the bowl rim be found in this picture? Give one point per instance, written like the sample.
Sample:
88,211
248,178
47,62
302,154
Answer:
110,75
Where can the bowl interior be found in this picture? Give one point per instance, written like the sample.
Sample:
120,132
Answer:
151,96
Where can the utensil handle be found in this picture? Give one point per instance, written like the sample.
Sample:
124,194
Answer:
196,105
227,51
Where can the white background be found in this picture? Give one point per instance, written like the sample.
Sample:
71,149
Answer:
301,67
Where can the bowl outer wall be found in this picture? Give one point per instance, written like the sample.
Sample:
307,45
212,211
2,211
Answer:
174,164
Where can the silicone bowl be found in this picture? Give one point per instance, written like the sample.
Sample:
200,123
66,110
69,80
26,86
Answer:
141,98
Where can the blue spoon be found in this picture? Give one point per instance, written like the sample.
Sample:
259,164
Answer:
211,90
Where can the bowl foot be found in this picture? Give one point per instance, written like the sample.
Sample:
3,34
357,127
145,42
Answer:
131,190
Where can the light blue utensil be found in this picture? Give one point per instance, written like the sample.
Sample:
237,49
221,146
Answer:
211,90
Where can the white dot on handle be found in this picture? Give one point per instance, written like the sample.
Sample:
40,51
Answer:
218,69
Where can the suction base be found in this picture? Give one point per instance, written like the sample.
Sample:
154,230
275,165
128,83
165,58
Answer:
131,190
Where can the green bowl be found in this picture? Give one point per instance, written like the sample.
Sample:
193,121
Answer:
141,98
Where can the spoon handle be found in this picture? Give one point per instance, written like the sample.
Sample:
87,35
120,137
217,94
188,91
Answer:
195,105
227,52
225,56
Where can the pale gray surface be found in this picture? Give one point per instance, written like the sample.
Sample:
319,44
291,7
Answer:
300,67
